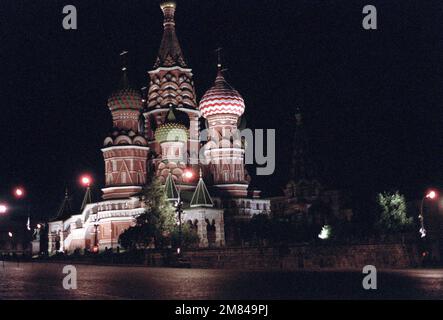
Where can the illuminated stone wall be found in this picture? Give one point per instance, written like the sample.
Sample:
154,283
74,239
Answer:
305,257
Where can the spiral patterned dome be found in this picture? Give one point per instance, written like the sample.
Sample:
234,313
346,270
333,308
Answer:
222,99
125,99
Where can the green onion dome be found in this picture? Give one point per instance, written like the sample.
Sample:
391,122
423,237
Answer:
172,130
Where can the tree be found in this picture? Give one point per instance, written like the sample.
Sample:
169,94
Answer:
392,216
189,237
156,224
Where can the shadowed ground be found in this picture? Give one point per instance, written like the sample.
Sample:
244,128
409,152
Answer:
44,281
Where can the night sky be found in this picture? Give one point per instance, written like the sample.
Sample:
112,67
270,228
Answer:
372,99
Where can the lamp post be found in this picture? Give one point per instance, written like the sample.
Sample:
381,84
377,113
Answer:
3,210
179,211
187,175
431,195
96,249
10,235
20,193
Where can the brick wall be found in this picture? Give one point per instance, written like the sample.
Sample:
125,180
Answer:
303,257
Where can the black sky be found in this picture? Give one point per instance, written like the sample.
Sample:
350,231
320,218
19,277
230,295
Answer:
372,99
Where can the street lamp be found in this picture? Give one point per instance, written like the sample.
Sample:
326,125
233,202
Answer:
431,195
19,192
179,211
95,249
86,181
188,174
3,208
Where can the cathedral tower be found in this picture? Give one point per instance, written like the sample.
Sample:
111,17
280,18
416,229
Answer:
172,136
303,182
222,106
171,85
125,151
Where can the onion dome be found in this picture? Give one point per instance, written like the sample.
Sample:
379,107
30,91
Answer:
125,98
222,99
172,130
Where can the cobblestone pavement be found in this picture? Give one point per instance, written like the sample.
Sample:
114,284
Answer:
44,281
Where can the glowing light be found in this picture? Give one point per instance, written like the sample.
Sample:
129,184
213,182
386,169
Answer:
95,249
19,192
431,195
422,233
178,250
325,233
188,174
86,180
3,208
10,234
39,226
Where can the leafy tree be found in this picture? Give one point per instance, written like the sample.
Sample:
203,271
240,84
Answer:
156,224
393,217
190,237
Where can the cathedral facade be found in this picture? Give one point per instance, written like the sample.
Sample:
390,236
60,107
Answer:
160,137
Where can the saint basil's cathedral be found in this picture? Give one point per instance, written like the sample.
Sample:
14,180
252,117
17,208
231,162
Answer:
159,137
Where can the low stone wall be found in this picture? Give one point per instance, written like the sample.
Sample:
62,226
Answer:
301,257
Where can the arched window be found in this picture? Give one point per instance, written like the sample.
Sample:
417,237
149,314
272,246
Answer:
211,232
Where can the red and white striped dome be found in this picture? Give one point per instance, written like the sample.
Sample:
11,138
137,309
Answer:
222,99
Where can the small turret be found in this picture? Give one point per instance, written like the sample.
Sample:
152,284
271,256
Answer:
171,189
201,197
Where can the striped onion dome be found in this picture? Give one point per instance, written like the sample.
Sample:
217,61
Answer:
171,130
222,99
125,98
